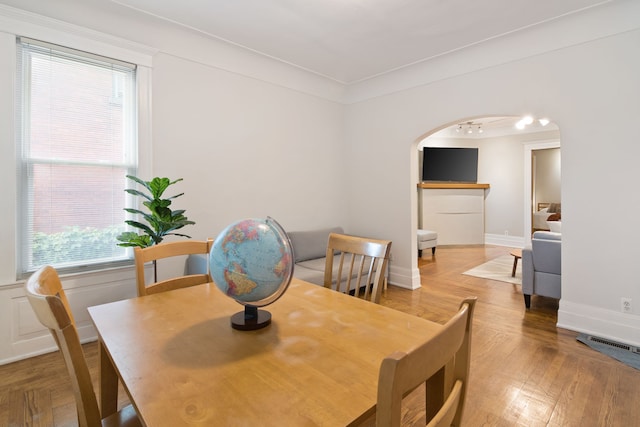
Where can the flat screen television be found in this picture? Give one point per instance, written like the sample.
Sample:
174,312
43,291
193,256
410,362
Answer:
450,164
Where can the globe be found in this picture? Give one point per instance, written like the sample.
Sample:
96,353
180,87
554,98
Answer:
251,261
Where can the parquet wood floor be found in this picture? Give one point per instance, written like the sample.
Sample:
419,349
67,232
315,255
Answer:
524,370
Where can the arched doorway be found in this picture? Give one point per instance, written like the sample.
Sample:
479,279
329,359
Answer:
505,149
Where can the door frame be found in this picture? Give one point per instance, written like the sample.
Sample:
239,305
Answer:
529,148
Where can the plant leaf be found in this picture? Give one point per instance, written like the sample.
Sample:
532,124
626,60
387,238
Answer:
138,193
160,219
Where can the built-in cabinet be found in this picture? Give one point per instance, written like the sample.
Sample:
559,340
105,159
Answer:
455,211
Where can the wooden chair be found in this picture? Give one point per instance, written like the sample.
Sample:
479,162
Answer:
356,265
167,250
46,296
402,372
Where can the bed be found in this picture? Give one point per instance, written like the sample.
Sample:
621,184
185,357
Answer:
544,211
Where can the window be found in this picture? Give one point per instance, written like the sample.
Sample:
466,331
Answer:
76,133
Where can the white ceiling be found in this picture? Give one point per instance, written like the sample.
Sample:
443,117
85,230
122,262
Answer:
352,40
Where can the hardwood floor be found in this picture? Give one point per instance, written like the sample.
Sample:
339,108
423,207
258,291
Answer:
524,370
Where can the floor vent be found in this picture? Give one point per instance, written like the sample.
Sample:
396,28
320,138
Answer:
625,353
614,344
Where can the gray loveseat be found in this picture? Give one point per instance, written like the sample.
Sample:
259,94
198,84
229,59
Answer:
541,266
309,251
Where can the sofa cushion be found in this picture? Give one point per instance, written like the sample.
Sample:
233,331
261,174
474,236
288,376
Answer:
313,271
547,235
425,235
308,275
196,264
311,244
316,264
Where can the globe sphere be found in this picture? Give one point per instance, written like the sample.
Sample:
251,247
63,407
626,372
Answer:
251,261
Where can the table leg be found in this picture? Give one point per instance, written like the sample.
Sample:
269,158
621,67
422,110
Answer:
108,384
515,265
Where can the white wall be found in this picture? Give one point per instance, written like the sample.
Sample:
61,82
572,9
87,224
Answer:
246,148
590,90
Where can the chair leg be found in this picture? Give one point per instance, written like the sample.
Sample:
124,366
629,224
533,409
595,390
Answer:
433,250
527,301
419,253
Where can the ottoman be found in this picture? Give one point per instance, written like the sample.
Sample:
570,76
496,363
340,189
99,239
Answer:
427,239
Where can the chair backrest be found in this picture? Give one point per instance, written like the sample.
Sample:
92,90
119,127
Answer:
46,296
402,372
167,250
360,268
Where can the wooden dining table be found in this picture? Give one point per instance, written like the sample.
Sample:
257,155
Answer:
316,364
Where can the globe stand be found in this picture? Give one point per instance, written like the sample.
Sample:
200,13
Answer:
250,319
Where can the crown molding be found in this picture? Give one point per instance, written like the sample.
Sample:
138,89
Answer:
23,23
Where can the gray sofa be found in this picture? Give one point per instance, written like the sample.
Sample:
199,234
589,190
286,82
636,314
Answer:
309,251
541,266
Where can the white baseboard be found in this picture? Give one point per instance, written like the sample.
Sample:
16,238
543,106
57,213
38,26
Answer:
502,240
619,327
404,277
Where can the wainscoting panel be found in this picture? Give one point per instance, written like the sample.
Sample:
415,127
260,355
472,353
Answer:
22,335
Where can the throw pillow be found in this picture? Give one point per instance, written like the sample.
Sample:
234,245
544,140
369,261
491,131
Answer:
554,217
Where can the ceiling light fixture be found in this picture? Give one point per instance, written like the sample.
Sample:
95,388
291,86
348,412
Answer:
543,122
524,122
469,128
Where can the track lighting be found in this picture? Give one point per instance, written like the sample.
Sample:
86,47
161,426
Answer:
469,128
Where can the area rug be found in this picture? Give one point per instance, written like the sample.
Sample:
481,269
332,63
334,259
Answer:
498,269
620,352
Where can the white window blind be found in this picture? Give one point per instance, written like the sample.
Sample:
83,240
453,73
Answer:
76,135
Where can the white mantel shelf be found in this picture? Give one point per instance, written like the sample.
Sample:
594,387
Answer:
451,185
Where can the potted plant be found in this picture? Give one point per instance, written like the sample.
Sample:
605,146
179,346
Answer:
160,221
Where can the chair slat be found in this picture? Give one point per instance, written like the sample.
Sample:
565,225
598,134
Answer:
361,267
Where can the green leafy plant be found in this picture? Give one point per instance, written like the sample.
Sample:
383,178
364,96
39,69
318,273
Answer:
75,244
161,221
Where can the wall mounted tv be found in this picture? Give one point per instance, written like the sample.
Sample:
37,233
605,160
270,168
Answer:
450,164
